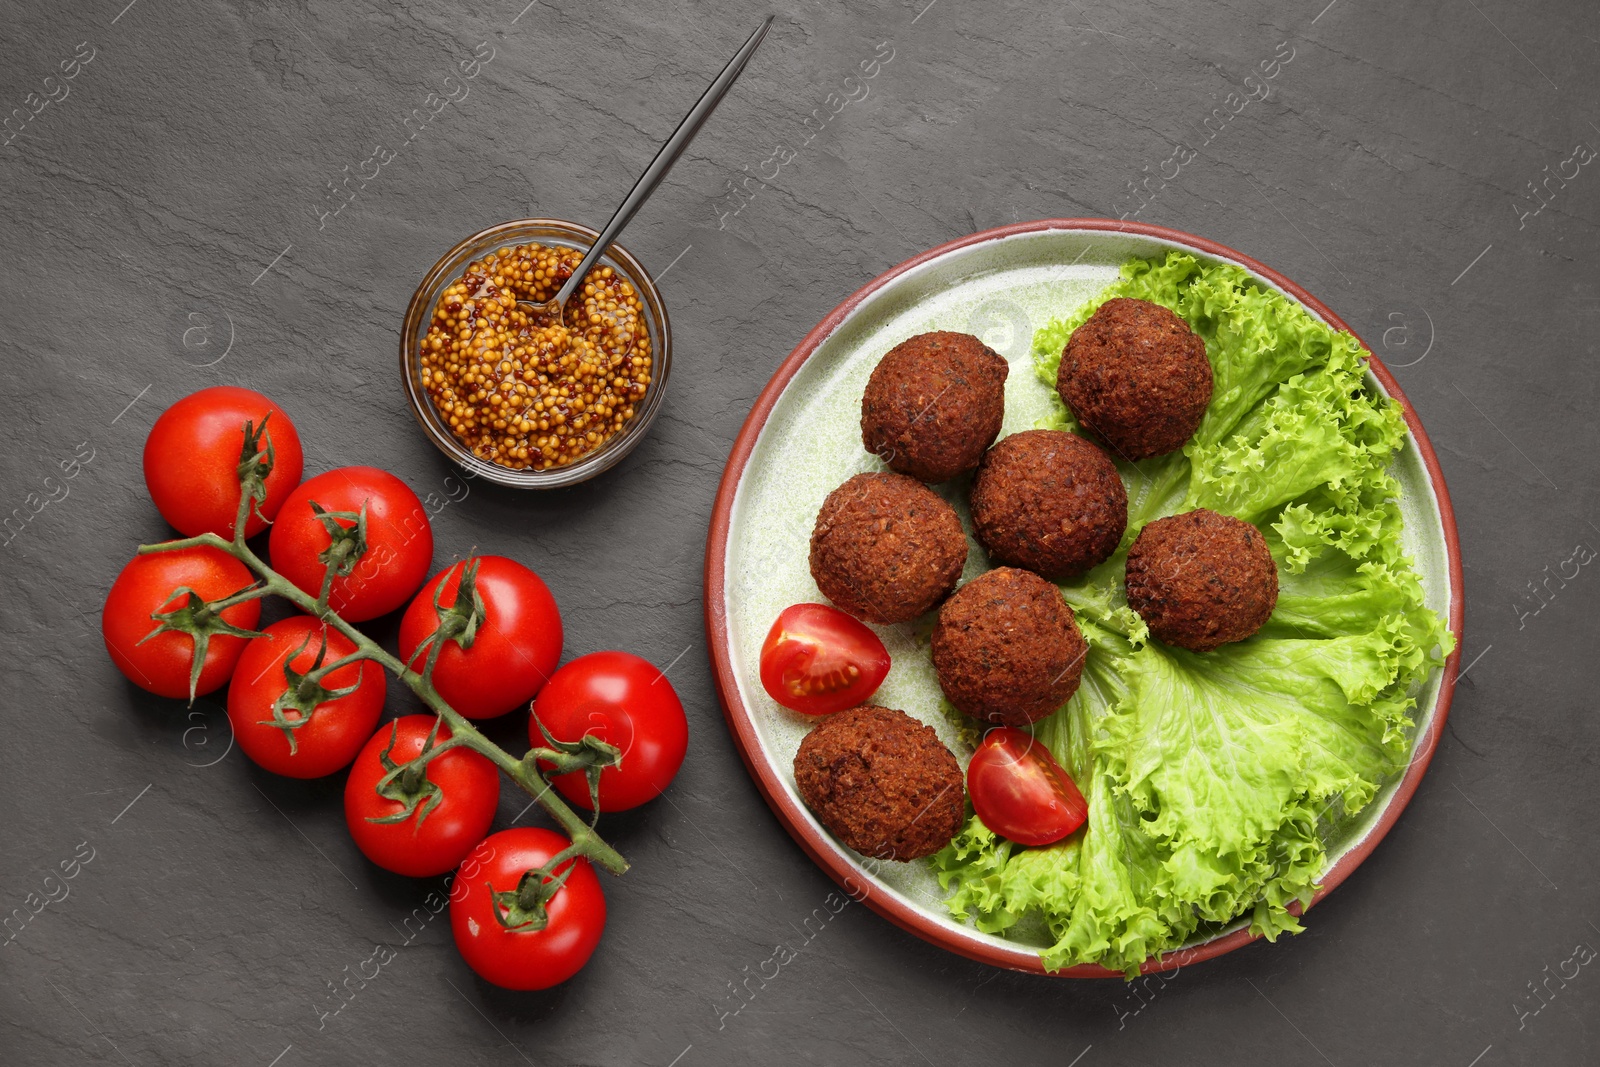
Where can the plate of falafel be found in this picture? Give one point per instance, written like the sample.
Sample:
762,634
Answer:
1164,572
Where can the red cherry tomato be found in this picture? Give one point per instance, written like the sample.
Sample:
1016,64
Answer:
526,958
192,455
337,728
627,702
399,540
145,586
817,660
469,789
514,651
1019,790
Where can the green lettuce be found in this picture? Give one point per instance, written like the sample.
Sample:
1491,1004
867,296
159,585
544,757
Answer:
1216,781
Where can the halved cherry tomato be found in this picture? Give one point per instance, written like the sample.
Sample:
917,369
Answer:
817,660
1019,790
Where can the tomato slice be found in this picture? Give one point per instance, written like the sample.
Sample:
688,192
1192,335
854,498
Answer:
817,660
1019,790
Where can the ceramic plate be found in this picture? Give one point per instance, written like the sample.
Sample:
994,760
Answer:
803,438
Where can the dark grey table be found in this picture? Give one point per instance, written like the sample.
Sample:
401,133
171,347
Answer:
1428,169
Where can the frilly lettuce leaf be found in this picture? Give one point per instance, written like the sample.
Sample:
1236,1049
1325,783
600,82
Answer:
1215,781
1321,432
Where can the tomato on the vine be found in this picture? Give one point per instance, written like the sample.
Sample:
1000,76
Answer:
399,540
147,585
336,728
527,957
514,651
436,835
1020,792
817,660
191,460
624,701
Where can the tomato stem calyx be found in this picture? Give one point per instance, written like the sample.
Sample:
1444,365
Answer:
304,693
346,546
255,464
588,754
458,622
523,908
408,783
201,620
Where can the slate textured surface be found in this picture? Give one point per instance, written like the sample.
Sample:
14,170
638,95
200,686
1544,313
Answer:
162,232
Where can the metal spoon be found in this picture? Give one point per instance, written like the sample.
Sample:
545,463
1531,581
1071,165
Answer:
550,310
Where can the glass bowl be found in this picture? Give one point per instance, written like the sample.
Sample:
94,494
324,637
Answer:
450,268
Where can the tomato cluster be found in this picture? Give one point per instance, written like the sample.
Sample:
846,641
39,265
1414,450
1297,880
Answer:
305,701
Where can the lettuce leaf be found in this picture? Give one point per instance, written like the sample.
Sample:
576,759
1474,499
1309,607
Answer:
1216,781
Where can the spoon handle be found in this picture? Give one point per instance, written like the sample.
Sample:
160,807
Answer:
666,158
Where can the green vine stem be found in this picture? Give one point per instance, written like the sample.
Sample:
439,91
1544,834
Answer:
525,772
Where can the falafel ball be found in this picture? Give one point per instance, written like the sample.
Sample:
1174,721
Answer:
1007,649
933,404
1137,377
882,782
886,548
1201,579
1050,501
